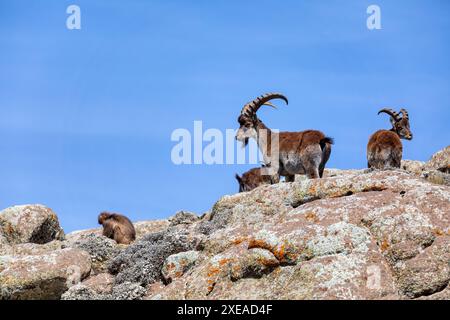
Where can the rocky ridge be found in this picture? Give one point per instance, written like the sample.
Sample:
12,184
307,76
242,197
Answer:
356,234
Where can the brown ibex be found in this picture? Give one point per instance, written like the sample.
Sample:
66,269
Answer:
385,148
304,152
254,178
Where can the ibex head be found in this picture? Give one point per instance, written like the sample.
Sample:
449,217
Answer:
399,125
248,120
254,178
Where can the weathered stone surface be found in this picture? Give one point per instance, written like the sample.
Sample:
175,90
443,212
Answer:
101,283
98,287
354,235
437,177
44,276
413,166
31,249
436,170
29,223
100,248
183,217
142,261
440,161
176,265
127,291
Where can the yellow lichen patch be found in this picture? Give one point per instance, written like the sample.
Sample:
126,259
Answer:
438,232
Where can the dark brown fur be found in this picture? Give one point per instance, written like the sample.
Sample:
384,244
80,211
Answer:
117,227
254,178
385,149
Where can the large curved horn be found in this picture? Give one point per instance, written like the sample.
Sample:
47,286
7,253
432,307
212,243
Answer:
252,107
405,114
392,113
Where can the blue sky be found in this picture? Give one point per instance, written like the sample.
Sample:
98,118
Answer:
86,115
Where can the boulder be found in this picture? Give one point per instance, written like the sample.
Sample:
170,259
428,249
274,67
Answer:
98,287
31,249
100,248
440,161
183,217
29,224
176,265
45,276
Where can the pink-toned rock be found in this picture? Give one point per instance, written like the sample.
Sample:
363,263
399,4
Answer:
44,276
354,235
101,283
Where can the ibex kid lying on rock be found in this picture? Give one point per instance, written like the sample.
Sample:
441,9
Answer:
254,178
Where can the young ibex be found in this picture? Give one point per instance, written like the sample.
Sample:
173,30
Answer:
385,149
254,178
299,152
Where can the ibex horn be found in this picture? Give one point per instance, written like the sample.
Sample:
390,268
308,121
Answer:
392,113
252,107
405,114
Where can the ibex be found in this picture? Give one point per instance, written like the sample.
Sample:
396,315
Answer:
385,149
254,178
299,152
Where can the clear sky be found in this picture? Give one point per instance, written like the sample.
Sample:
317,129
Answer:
86,115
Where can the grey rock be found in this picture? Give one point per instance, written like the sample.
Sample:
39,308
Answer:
100,248
177,264
29,224
183,217
142,261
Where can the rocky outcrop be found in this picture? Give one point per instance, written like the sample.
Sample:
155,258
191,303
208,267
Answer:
44,276
29,224
436,170
356,234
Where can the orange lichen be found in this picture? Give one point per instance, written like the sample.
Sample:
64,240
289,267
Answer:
254,243
384,245
438,232
311,217
239,241
223,262
212,272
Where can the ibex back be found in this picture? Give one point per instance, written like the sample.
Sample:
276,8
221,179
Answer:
385,149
